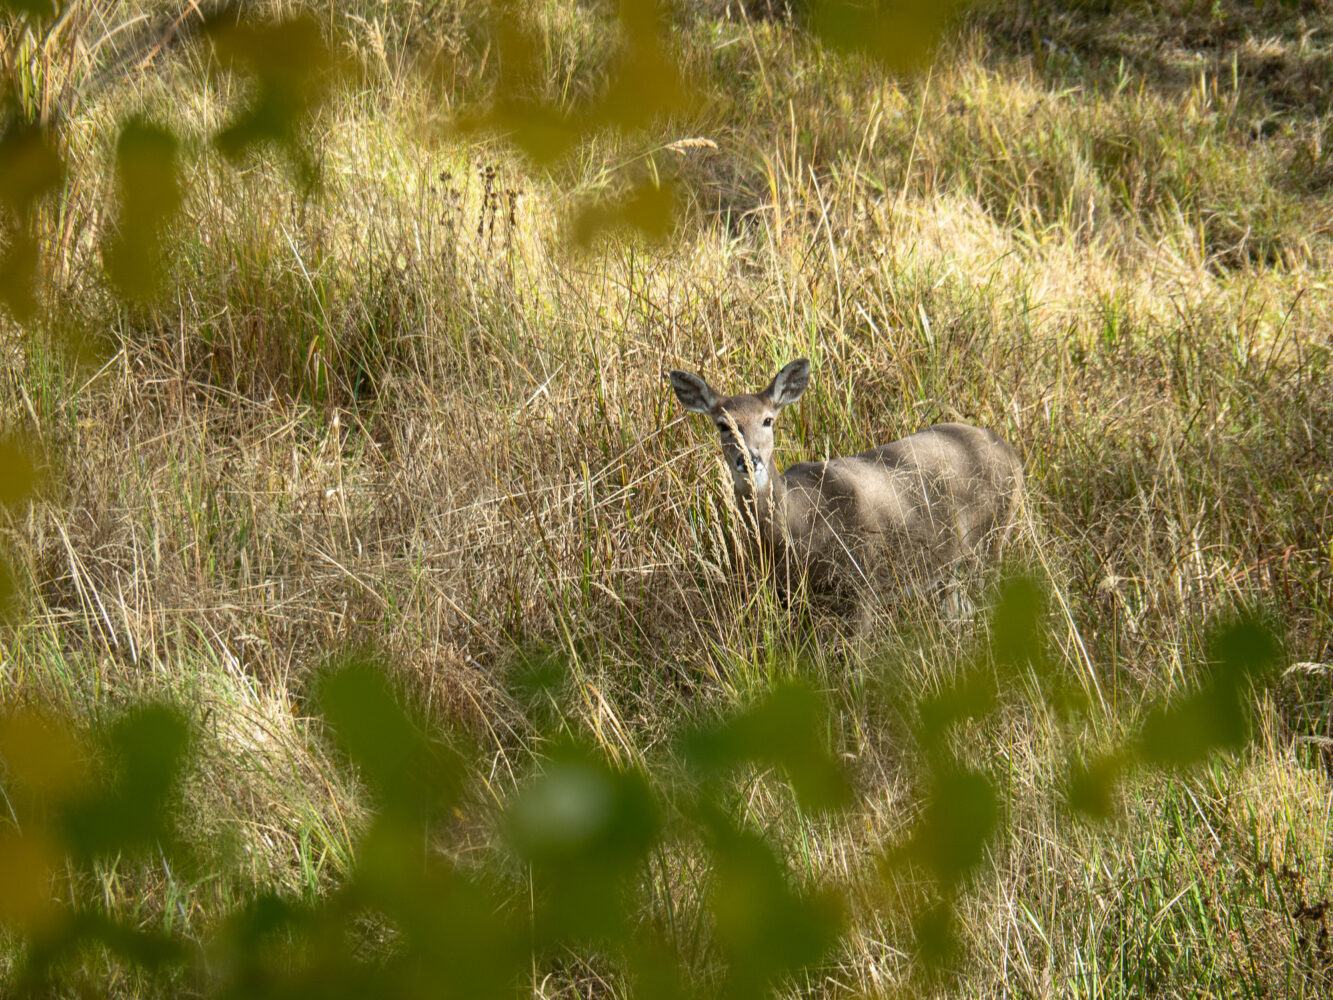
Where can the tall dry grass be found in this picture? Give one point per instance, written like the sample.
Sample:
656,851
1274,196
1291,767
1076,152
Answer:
401,412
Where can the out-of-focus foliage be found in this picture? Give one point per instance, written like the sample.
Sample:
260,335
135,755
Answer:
782,729
644,83
584,829
764,926
412,775
1210,717
898,34
31,167
960,815
18,475
37,10
964,811
18,478
76,802
565,864
649,208
564,870
1215,716
42,764
129,809
291,68
149,186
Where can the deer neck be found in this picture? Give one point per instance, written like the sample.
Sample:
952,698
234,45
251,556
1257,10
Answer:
765,506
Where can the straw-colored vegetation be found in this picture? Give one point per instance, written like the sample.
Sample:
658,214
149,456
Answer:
403,411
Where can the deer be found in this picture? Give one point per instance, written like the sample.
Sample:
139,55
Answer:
904,517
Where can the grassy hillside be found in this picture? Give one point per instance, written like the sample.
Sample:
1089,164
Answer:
384,399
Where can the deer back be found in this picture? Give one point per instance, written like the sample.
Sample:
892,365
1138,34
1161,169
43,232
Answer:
908,509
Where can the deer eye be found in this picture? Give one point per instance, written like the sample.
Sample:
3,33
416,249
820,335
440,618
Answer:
768,421
723,428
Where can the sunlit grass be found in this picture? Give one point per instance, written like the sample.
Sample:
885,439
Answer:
402,412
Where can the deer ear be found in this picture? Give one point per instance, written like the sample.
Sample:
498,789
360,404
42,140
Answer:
788,384
692,391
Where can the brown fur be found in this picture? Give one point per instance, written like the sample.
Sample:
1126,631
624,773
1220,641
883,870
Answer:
901,515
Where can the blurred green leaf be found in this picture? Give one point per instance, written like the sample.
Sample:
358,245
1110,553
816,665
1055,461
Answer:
145,751
585,828
39,754
9,590
30,166
18,273
542,132
452,936
1017,632
270,946
935,935
970,695
414,776
1216,715
148,949
517,45
28,860
1244,652
292,69
1092,786
462,941
961,815
764,926
18,480
648,209
900,35
149,185
539,674
37,10
18,475
787,728
655,973
645,82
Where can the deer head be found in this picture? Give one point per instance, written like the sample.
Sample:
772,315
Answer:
745,421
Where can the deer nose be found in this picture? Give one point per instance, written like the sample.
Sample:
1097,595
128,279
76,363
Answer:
754,461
